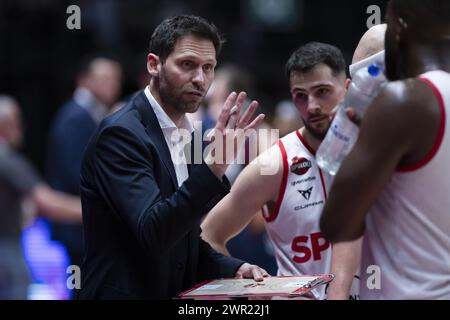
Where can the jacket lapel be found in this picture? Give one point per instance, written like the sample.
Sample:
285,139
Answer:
189,153
155,132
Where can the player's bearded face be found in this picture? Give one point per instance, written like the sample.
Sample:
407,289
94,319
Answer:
318,131
315,94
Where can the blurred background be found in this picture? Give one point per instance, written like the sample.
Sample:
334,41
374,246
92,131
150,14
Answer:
40,65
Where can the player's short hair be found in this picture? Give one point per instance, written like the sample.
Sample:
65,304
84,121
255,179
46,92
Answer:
312,54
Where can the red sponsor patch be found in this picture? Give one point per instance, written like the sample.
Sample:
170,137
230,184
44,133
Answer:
300,166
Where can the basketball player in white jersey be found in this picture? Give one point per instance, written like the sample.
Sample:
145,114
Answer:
223,223
395,184
295,196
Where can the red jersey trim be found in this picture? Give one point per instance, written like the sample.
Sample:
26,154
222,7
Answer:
310,149
273,215
440,136
323,185
303,141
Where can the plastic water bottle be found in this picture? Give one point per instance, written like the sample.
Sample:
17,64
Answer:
343,133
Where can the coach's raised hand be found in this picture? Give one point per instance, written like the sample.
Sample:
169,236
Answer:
228,135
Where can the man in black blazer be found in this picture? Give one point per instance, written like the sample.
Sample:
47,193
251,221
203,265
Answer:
142,206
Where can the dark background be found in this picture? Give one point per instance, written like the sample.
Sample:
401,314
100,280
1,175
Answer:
39,55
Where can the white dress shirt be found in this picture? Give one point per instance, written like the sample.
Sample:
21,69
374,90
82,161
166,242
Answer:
173,136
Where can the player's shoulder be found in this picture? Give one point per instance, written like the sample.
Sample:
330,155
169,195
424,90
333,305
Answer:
271,161
290,136
268,163
402,107
409,93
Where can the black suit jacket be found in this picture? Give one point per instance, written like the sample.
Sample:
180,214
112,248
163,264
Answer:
142,232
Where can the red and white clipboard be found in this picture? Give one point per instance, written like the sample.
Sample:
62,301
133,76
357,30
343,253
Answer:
248,288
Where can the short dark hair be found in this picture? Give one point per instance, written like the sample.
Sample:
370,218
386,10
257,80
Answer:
166,35
431,13
312,54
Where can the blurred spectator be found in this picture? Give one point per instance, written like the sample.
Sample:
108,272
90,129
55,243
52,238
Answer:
22,189
142,79
287,118
103,18
228,78
98,90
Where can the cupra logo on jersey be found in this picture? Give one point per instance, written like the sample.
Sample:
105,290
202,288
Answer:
307,193
300,166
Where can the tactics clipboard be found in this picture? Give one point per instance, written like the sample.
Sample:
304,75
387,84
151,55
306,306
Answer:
248,288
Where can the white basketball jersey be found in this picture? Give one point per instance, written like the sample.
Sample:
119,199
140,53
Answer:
300,248
408,228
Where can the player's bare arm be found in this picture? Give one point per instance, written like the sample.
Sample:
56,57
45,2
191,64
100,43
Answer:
395,133
257,185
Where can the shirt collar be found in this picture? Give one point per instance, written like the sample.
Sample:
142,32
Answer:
163,119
